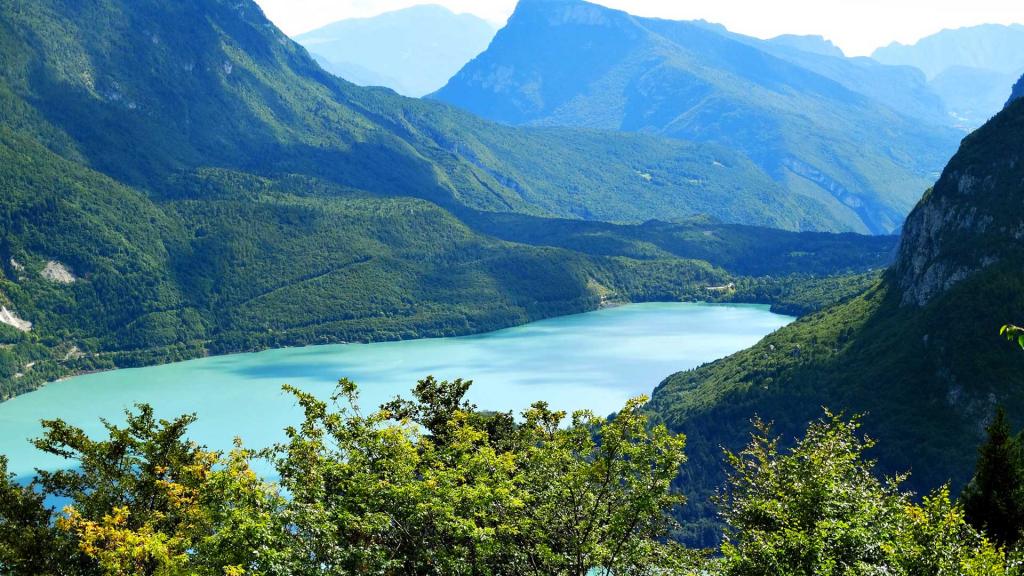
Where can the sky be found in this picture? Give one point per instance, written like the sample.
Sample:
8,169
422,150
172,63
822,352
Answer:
856,26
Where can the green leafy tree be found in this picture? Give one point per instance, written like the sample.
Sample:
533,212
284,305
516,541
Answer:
385,494
819,509
147,501
421,487
435,405
935,539
598,493
29,543
352,486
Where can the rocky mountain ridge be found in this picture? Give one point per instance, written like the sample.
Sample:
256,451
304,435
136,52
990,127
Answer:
972,219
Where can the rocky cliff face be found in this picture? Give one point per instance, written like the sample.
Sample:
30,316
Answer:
973,218
1018,91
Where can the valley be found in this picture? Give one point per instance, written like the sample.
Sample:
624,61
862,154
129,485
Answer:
250,200
730,304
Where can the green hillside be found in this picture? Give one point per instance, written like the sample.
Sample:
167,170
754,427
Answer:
919,354
237,262
164,89
742,250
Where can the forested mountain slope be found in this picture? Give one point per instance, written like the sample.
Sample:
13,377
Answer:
185,180
163,89
919,353
571,63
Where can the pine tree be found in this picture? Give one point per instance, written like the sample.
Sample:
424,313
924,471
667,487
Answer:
994,499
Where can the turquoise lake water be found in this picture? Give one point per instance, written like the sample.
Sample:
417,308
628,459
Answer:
596,361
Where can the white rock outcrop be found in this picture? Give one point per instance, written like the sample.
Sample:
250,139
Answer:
11,319
57,272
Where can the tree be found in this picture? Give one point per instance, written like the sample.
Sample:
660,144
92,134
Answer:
818,508
381,494
433,493
147,501
994,499
29,544
598,493
435,405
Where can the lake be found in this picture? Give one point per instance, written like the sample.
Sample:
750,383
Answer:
596,360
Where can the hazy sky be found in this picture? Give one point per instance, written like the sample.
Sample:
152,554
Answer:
857,26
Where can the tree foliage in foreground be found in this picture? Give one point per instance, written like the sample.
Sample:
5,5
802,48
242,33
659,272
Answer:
437,489
433,486
819,508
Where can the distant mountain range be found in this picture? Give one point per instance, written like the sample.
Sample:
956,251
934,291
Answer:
857,140
919,354
412,51
813,44
970,68
990,47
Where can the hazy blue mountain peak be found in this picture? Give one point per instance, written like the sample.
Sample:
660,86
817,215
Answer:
995,47
569,13
971,68
714,26
809,43
413,51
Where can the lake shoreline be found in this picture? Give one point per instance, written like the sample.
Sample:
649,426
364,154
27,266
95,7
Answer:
595,360
204,350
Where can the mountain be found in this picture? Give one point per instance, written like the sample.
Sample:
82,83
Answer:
1018,92
186,180
812,44
972,95
918,353
571,63
412,51
901,88
989,47
357,74
971,68
169,99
